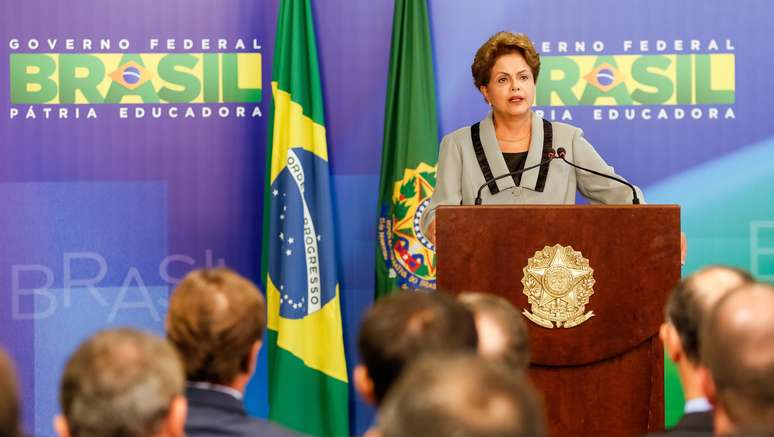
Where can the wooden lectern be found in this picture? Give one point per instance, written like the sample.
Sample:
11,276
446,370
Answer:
603,375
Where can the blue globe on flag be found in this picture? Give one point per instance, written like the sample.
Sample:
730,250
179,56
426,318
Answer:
301,266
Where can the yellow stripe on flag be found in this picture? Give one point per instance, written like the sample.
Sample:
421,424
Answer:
293,129
316,339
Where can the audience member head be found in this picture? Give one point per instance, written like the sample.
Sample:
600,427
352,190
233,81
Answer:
464,395
502,333
123,383
9,398
738,352
688,306
399,328
216,320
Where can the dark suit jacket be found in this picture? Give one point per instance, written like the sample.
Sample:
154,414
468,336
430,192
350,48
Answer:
215,414
691,425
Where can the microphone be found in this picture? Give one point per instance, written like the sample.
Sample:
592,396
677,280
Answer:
551,156
561,152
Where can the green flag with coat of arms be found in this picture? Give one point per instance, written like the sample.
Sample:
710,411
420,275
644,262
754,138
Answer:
405,256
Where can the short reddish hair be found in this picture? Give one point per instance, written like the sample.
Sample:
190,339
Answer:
215,316
499,44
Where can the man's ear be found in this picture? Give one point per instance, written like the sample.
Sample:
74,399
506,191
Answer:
672,344
708,386
364,384
174,424
723,423
373,432
60,426
254,350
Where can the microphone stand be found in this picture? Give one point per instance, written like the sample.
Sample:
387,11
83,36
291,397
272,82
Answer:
551,156
635,200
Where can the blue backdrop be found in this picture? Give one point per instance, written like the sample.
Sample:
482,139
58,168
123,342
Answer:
100,216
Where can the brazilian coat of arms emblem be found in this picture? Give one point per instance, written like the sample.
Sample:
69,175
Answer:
409,254
558,282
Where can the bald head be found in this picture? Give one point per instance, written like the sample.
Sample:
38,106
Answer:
692,299
738,350
713,282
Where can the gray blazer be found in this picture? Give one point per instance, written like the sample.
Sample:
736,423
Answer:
459,175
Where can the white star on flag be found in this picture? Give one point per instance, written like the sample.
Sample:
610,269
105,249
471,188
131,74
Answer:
275,192
288,252
291,240
281,236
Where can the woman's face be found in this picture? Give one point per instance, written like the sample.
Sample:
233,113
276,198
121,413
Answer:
511,87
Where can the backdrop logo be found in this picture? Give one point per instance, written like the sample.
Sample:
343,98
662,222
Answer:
131,75
605,77
132,78
644,80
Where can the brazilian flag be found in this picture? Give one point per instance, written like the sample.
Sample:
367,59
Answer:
405,257
307,369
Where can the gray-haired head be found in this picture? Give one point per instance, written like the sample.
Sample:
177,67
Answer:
120,382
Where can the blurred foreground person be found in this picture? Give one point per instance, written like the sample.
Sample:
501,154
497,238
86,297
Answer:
401,327
738,352
462,396
9,398
122,383
687,307
216,320
502,333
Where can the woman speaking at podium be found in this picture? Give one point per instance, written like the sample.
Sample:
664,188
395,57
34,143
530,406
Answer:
512,138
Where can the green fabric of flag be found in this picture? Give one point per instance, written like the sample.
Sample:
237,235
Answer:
307,368
405,257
